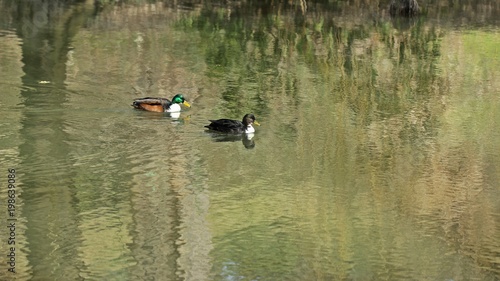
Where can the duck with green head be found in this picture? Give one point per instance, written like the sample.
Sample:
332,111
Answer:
161,104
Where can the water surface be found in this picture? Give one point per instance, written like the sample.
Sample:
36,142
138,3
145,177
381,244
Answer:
377,159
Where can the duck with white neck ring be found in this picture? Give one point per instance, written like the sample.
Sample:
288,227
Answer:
234,126
161,104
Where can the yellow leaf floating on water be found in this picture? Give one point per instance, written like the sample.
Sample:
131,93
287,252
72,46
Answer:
43,82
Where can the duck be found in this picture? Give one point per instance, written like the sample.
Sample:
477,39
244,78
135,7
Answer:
161,104
234,126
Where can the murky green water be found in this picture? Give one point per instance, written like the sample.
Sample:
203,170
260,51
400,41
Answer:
378,157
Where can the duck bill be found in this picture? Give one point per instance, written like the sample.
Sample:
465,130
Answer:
186,104
256,123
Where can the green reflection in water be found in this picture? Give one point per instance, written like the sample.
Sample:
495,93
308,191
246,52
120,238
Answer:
376,158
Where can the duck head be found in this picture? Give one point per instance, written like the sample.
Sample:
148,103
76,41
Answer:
180,99
248,120
176,101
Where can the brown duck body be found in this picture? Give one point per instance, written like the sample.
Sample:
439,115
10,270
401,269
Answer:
152,104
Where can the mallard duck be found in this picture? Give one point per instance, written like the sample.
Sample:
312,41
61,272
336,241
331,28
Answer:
234,126
160,104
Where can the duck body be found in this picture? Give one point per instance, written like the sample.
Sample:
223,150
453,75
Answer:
160,104
234,126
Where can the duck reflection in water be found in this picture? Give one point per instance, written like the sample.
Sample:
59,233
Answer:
234,130
174,117
246,139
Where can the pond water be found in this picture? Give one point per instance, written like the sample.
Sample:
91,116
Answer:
377,158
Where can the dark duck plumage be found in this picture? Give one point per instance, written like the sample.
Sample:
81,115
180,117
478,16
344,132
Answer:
160,104
234,126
